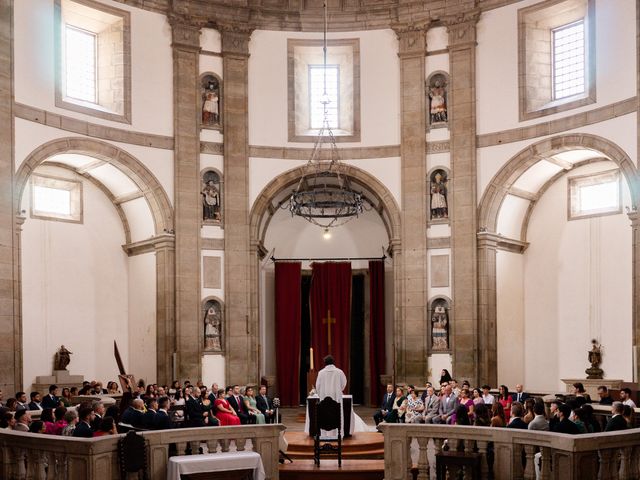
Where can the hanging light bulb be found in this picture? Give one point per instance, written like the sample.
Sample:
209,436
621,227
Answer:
327,234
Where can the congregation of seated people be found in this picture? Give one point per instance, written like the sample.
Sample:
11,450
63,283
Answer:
453,404
144,407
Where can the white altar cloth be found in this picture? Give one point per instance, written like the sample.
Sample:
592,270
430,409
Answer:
215,462
332,433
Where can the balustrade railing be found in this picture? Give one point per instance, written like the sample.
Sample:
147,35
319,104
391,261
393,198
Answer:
47,457
511,454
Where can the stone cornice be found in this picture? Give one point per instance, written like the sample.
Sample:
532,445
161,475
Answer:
185,32
166,240
235,38
499,242
462,28
412,37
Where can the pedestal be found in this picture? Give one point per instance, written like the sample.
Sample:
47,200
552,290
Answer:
61,378
591,385
348,420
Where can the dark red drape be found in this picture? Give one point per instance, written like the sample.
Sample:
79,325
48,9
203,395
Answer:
288,281
377,357
331,292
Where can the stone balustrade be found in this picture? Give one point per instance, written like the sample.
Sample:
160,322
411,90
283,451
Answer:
44,457
510,453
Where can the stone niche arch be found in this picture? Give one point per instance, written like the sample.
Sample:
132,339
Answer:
217,349
218,219
447,186
489,241
163,243
450,327
267,204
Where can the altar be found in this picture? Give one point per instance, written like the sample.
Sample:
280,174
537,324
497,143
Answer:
348,416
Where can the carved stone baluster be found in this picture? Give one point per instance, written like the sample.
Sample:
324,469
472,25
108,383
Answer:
35,465
516,460
437,448
625,472
635,462
181,448
484,463
545,463
423,461
606,465
530,469
240,444
61,469
212,446
224,444
195,447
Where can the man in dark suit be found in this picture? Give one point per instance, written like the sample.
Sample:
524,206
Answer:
98,414
617,421
21,403
237,403
51,400
133,414
517,412
520,395
264,404
35,401
148,418
605,397
161,420
385,406
83,428
564,425
193,408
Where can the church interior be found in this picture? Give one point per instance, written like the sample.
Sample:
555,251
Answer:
232,190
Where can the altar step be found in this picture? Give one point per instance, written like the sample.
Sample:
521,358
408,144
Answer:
351,470
362,445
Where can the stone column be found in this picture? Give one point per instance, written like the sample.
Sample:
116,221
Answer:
186,61
487,314
10,323
634,216
165,307
411,352
241,363
462,208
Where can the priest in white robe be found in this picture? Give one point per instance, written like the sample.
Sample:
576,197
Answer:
331,381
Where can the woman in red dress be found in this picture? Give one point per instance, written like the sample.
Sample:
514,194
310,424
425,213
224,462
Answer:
505,400
224,413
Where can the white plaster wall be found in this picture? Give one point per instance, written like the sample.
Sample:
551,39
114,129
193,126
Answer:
213,370
379,87
510,321
142,317
30,135
497,62
75,289
577,286
151,60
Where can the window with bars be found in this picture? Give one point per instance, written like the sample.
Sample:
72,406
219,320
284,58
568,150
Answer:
80,64
569,60
317,101
54,198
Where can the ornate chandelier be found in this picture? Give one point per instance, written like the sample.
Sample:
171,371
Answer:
324,195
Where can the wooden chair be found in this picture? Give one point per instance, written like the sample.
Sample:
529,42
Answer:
451,464
132,453
326,416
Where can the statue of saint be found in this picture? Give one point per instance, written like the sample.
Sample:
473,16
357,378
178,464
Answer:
439,328
439,207
595,354
62,358
210,202
211,105
438,110
212,330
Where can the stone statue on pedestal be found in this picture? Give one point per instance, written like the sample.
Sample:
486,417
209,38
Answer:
63,357
595,359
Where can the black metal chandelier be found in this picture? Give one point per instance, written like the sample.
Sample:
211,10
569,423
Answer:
324,195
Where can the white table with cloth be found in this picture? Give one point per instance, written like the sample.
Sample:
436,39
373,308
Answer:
215,462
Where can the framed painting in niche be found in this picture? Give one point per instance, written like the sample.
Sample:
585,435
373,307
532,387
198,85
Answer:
439,325
213,326
439,196
210,101
437,90
211,191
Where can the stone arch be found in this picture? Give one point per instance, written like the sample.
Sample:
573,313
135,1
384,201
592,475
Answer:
498,188
263,208
154,193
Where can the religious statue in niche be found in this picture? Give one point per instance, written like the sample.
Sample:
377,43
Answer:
62,359
595,359
210,92
437,93
440,324
438,194
213,326
211,197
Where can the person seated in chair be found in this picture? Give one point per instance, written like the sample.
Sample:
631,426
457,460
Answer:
134,414
265,405
51,400
617,421
237,403
396,415
161,420
385,406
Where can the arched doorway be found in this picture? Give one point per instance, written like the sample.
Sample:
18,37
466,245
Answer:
121,188
512,235
375,234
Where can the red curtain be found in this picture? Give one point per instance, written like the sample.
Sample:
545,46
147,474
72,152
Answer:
330,298
288,281
377,360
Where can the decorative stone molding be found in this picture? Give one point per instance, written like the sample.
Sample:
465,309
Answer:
235,38
212,243
412,37
434,243
499,242
150,245
461,28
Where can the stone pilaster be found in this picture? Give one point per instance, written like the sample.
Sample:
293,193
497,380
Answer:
410,349
165,307
487,313
186,48
242,320
462,208
10,323
634,216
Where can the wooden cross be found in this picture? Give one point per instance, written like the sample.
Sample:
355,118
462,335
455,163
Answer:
328,321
